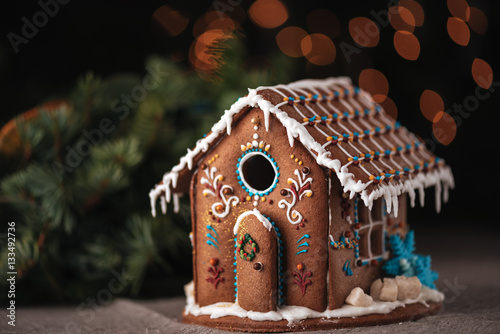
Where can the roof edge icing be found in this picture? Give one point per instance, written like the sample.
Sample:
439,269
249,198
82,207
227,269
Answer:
440,177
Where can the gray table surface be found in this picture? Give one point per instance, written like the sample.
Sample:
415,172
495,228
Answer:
469,268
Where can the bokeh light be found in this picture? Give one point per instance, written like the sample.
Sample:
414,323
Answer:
459,9
482,73
416,11
444,128
458,31
401,18
364,31
389,107
214,20
374,82
318,49
323,21
268,14
203,54
406,45
431,104
172,21
478,22
289,40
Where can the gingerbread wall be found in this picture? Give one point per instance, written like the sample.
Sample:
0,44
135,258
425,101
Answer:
297,206
358,245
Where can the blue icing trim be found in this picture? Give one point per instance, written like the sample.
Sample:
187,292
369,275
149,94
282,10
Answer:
212,244
347,268
280,260
212,237
240,177
304,236
212,229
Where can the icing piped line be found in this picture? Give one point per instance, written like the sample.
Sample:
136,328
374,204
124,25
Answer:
267,224
441,176
294,314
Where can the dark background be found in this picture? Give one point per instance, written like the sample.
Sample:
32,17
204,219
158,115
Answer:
115,36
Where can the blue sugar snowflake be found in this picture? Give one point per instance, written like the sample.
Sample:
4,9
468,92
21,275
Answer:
404,262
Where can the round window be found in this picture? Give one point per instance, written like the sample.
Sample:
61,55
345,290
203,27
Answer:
257,172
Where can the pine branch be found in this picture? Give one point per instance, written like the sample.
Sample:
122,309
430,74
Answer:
71,212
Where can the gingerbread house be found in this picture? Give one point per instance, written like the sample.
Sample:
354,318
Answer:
295,193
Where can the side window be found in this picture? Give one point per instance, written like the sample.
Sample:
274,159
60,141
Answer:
371,231
377,210
376,240
363,244
363,213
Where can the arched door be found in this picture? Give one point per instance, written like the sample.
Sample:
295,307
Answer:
256,263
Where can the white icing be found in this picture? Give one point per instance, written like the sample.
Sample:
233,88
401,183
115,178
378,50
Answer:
212,180
440,177
293,216
211,176
176,201
227,202
295,314
267,224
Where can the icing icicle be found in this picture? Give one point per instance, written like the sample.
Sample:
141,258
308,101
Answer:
437,174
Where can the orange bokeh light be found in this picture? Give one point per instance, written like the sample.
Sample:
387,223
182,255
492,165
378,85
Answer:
214,20
202,54
401,18
172,21
289,40
364,31
431,104
389,107
323,21
459,8
318,49
406,45
444,128
482,73
478,22
268,14
458,30
415,9
374,82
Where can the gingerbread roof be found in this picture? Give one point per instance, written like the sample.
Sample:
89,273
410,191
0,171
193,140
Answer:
343,129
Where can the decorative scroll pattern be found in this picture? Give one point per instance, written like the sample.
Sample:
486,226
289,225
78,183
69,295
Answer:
216,189
297,191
